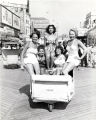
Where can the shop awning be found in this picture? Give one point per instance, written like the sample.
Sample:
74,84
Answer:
10,43
14,39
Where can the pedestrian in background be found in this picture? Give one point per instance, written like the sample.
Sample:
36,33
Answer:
93,55
84,61
89,55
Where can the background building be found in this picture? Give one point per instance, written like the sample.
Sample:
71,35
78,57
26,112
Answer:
90,20
9,22
90,24
40,24
21,10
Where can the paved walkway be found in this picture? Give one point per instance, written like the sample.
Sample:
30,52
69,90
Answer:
16,105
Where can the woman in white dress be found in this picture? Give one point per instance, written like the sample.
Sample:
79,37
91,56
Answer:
73,59
29,56
59,59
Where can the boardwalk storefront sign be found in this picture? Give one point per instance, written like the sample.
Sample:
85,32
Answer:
82,31
8,18
91,36
16,22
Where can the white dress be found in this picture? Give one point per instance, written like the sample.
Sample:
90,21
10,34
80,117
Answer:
31,56
73,53
59,61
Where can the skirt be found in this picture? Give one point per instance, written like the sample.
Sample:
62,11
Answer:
50,48
30,59
73,60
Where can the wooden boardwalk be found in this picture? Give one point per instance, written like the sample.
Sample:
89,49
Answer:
15,103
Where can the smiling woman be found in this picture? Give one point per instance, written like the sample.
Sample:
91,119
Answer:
73,59
50,43
28,57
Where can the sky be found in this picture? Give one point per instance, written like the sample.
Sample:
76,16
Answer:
64,14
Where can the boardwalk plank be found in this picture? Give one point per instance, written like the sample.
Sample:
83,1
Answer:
15,105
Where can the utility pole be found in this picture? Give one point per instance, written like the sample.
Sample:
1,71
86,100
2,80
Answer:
27,10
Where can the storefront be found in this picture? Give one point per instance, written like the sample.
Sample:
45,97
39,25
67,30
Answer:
9,36
9,23
82,35
91,36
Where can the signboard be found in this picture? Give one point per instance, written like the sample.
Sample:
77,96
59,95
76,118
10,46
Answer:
16,21
82,32
6,16
41,21
42,26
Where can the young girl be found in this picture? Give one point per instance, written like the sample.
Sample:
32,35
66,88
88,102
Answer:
41,59
59,59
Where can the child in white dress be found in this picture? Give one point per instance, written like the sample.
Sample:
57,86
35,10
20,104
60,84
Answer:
59,59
